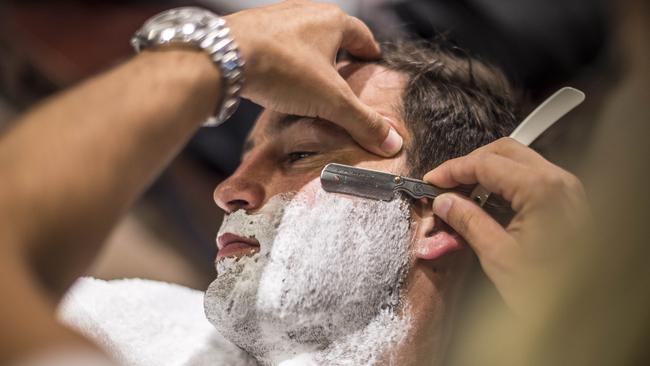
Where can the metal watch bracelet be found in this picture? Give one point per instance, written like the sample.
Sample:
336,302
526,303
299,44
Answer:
201,29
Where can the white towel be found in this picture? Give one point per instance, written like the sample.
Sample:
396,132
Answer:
148,323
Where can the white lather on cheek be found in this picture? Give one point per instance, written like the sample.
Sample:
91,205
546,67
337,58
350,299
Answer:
328,274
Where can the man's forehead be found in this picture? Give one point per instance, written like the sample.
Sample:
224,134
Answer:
376,86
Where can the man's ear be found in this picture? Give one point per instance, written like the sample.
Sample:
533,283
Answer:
433,238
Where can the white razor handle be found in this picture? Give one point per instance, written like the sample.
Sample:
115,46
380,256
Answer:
543,117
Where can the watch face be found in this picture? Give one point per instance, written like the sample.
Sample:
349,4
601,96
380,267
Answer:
201,29
179,24
180,16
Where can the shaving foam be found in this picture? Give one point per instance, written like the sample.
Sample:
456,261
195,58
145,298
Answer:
324,287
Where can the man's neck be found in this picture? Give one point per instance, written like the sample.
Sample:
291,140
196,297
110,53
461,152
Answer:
372,345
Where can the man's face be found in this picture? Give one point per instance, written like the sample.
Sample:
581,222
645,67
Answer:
283,152
339,259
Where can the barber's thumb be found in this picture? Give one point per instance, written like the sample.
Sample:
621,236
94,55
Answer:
392,143
442,204
375,132
469,220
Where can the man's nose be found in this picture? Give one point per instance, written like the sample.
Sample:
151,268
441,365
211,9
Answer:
239,192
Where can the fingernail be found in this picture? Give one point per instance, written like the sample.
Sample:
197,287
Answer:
441,206
393,143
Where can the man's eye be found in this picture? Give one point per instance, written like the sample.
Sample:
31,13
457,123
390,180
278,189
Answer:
299,155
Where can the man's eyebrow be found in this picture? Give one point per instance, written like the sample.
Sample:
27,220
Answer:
287,121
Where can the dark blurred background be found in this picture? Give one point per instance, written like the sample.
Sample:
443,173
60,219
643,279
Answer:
47,46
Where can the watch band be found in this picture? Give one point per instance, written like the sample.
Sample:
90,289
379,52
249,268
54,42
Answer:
202,29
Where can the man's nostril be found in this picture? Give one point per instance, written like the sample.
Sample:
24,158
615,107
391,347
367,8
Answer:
238,204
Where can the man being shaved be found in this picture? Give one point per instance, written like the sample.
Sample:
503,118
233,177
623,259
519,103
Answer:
304,277
312,277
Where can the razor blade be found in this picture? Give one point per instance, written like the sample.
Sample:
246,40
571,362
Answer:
376,185
366,183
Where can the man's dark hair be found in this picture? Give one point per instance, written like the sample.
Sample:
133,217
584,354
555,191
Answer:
452,104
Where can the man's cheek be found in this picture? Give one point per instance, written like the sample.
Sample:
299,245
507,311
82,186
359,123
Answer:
312,195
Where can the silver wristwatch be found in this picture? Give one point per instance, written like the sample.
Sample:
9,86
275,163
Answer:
202,29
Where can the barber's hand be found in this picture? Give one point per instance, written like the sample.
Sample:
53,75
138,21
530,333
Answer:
290,51
544,197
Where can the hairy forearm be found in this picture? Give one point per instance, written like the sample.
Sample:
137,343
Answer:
73,165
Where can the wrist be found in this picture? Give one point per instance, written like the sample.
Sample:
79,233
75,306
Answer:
200,29
182,74
246,41
187,66
254,47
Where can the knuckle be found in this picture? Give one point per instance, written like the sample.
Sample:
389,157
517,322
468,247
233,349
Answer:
478,171
503,141
552,185
554,181
573,183
546,178
480,158
481,162
333,11
507,146
376,127
543,186
509,143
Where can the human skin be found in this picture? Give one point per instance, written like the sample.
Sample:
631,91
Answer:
284,155
73,165
542,195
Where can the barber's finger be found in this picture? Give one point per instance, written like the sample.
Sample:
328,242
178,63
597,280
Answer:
496,173
481,231
366,126
513,149
358,39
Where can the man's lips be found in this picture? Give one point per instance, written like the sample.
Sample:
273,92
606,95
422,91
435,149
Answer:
232,245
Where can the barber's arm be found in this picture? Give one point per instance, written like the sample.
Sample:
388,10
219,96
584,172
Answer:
74,164
549,203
